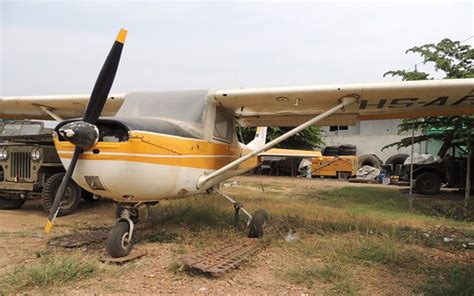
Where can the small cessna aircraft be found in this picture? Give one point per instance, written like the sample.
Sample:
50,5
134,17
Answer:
149,146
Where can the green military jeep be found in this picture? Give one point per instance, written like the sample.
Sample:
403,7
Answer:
30,168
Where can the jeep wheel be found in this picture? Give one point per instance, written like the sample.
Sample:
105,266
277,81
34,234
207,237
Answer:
427,183
10,204
71,198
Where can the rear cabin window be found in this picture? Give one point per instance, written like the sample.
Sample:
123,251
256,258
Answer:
223,126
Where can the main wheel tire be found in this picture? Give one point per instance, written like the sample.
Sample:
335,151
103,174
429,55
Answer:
428,183
397,159
117,241
10,204
257,224
71,199
370,160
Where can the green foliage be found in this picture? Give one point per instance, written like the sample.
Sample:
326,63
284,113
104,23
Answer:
443,128
454,60
450,57
307,139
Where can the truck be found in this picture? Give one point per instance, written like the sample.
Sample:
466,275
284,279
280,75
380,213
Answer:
30,168
450,170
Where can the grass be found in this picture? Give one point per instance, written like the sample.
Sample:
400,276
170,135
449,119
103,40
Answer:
310,274
360,228
355,209
381,251
197,213
449,280
50,271
330,278
351,240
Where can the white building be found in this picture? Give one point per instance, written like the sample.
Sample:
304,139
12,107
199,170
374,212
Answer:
371,136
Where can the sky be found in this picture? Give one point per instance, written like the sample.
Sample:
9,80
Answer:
58,47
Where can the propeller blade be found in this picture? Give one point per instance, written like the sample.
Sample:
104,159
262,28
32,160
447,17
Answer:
105,79
62,188
84,134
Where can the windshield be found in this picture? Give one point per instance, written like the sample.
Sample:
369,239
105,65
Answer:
21,129
186,108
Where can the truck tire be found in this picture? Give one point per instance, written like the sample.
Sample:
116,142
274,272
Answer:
397,159
427,183
370,160
347,149
10,204
70,201
331,151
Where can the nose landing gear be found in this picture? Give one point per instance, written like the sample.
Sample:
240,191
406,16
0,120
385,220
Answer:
120,239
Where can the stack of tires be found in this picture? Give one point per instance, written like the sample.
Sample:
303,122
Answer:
345,149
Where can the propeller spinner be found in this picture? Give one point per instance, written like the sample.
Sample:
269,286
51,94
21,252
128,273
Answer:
84,134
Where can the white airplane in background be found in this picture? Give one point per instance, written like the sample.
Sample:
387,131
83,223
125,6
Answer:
140,148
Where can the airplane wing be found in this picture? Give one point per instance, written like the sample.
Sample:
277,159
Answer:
291,106
46,107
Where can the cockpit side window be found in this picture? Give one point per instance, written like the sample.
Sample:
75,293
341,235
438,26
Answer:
223,126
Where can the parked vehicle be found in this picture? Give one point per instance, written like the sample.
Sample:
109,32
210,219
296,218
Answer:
450,170
341,167
30,168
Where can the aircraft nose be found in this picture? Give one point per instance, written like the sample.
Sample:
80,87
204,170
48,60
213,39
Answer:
80,133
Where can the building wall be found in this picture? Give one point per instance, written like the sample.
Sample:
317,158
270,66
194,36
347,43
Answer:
371,136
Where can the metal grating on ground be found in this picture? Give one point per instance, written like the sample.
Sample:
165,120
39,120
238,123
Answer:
222,258
76,240
89,237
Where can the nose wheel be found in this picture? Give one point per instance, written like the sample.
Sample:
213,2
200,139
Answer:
119,242
120,239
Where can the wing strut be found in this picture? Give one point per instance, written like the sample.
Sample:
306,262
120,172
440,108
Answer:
345,101
50,113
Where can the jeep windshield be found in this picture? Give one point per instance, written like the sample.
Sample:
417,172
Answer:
21,129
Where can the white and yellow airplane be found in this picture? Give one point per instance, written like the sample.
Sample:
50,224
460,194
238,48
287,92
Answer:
149,146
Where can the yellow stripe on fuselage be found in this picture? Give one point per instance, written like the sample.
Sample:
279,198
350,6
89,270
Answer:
162,149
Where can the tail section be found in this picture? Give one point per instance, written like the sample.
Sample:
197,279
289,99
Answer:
260,138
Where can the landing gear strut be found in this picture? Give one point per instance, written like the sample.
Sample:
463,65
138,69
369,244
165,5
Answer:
120,239
255,223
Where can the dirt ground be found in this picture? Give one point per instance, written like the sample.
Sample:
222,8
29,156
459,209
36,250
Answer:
23,242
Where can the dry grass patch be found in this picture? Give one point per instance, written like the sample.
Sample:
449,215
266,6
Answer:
52,270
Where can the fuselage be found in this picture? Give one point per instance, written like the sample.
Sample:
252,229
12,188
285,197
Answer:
152,166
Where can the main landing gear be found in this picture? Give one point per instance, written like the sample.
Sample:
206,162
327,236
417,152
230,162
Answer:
255,223
120,239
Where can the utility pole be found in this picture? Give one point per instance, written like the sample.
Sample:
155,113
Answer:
410,198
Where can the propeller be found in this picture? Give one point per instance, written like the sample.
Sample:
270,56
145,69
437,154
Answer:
84,134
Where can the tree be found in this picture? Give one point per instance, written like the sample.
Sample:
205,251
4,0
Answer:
308,139
454,60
